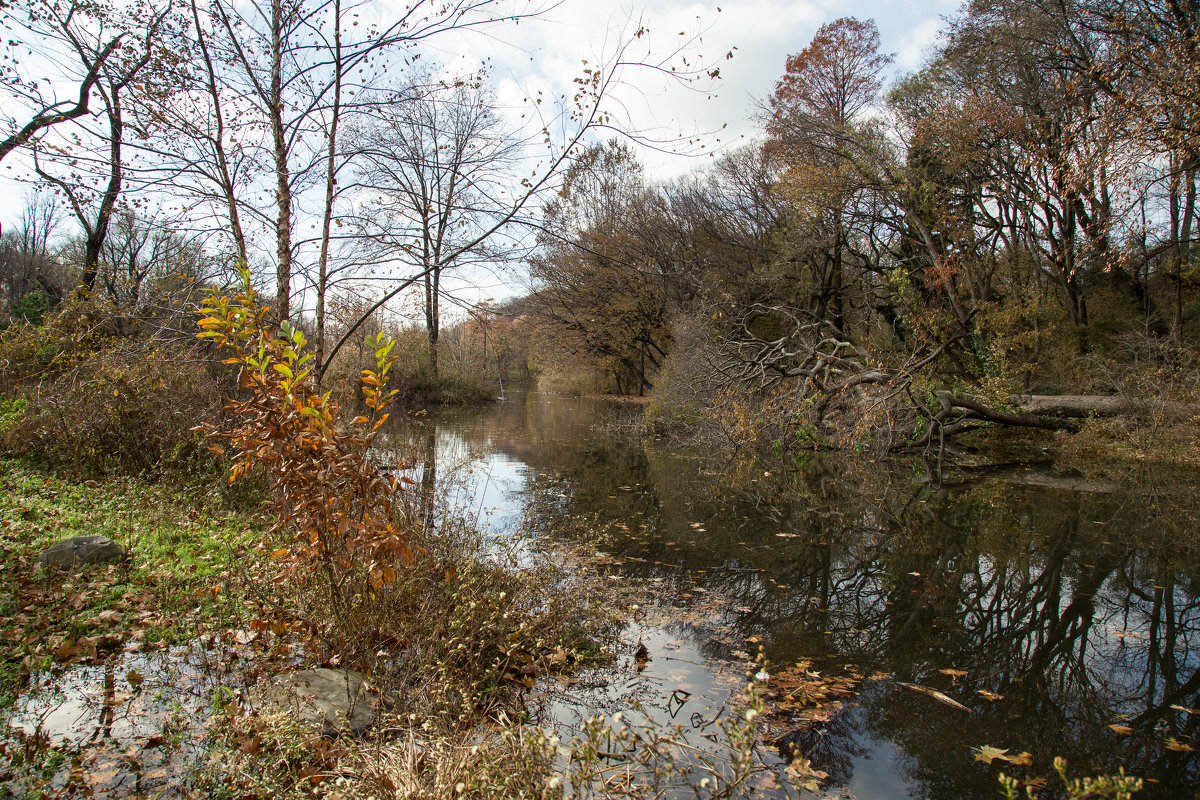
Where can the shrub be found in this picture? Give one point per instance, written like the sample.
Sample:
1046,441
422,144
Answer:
335,510
356,561
96,401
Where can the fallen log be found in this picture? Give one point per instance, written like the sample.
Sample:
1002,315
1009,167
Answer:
1079,406
971,409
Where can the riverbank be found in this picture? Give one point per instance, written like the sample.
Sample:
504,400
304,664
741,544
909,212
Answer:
138,677
685,567
92,648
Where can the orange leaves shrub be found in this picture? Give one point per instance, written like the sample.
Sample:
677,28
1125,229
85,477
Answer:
437,618
337,515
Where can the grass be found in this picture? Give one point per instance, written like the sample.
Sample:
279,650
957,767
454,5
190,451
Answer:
172,586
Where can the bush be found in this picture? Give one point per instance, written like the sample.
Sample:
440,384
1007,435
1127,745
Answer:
96,401
357,564
463,379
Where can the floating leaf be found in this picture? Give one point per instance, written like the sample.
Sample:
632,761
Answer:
1124,730
935,694
988,754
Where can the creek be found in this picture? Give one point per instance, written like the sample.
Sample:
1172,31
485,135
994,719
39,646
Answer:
1061,611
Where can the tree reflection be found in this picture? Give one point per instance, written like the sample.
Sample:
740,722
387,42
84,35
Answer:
1078,607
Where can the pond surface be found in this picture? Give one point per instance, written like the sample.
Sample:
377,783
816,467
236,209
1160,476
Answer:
1062,612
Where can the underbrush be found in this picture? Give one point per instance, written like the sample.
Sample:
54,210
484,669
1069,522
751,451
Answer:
707,397
462,378
625,755
79,394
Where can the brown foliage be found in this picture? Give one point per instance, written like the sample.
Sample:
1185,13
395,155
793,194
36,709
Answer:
837,76
335,511
96,401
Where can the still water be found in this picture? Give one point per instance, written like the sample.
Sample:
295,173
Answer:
1060,610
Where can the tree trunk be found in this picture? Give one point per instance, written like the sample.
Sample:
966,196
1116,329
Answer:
1185,240
283,189
223,172
97,233
433,320
330,179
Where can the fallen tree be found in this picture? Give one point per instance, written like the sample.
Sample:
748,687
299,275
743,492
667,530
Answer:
1080,406
815,378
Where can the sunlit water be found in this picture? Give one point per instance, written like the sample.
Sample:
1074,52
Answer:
1072,600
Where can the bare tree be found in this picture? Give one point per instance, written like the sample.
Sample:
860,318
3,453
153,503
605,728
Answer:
118,51
44,21
439,167
26,264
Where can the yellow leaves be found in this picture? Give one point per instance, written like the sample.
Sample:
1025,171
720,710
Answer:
1179,747
1123,730
336,505
988,754
383,348
992,696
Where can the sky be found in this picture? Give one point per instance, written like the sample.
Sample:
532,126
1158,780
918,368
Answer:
759,33
546,52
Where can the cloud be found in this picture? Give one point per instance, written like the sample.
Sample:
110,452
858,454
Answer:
911,52
547,52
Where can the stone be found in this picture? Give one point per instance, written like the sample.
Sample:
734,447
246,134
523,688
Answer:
332,701
81,550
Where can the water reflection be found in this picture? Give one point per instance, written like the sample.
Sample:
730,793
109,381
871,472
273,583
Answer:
1074,601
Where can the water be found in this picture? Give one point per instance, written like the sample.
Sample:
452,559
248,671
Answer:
1069,606
130,726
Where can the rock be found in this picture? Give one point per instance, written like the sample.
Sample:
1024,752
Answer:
331,700
78,550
